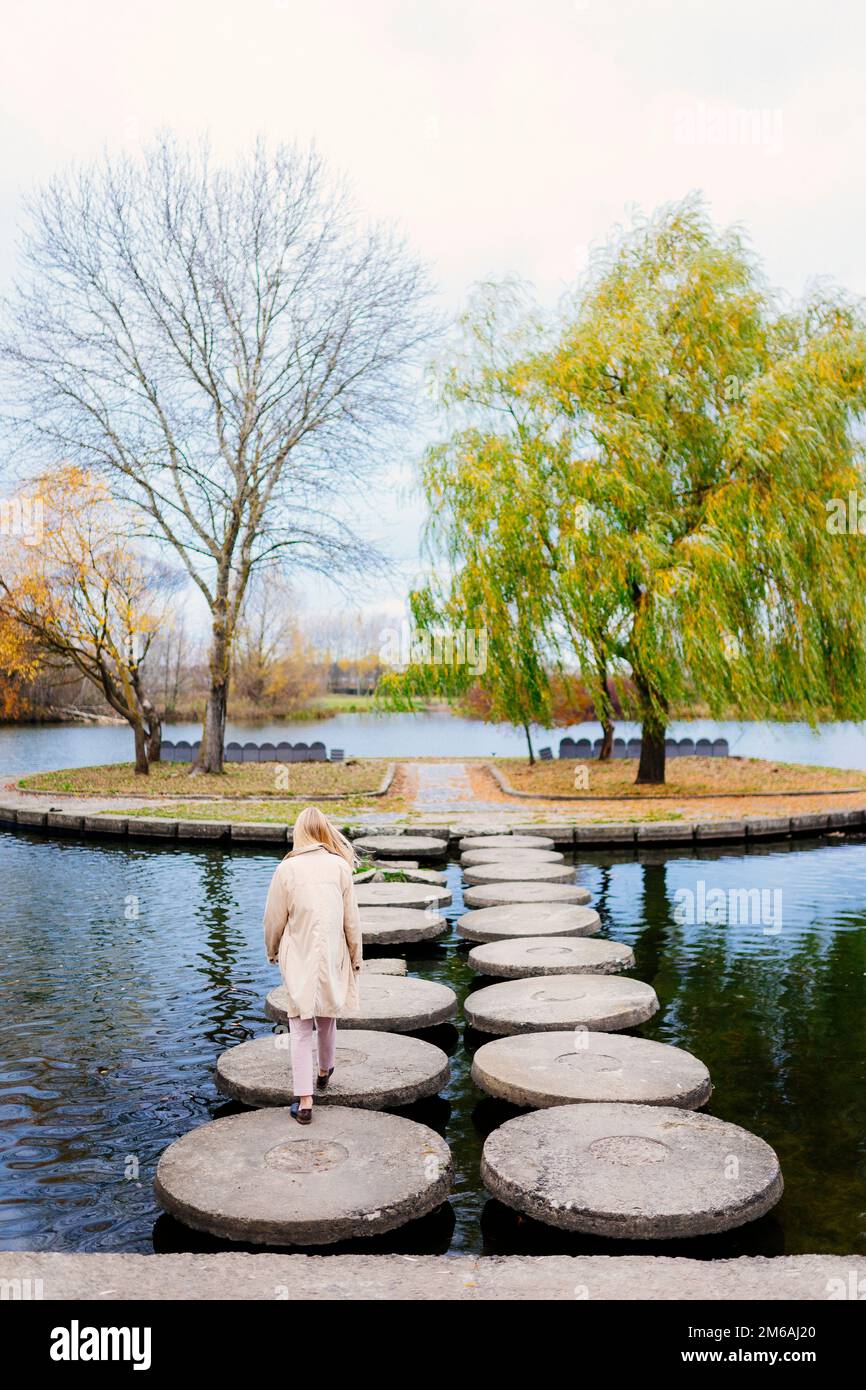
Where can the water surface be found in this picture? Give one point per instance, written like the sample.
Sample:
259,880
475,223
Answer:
37,748
127,969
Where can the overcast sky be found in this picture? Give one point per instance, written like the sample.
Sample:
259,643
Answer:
505,138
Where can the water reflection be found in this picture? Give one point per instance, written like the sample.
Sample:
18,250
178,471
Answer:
127,969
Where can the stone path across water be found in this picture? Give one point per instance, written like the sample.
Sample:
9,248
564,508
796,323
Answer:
505,842
390,1004
505,894
523,871
401,895
518,920
372,1069
555,955
394,926
497,855
640,1172
402,846
542,1069
604,1003
261,1178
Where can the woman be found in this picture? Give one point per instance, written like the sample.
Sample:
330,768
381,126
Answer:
313,929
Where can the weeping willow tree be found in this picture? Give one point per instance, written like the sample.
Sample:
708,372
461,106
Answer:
649,488
492,590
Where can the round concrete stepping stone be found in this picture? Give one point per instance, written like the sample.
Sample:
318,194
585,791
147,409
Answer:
385,965
372,1070
521,891
604,1003
425,876
550,919
541,1069
379,875
641,1172
402,846
259,1177
554,955
401,895
389,926
511,841
388,1003
508,856
503,872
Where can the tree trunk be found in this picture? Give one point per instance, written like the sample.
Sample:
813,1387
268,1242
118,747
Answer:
651,768
154,740
153,726
142,767
603,707
606,749
213,733
529,744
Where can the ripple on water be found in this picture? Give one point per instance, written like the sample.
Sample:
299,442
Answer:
112,1024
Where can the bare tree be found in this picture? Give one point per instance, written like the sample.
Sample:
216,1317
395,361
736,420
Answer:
173,663
228,343
274,663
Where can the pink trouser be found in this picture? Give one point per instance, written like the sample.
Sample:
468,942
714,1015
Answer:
301,1035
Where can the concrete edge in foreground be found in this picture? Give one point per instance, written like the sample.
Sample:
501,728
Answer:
429,1278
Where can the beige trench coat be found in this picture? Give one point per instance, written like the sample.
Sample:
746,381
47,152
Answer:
313,929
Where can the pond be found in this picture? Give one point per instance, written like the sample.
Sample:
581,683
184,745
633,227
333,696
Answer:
126,970
36,748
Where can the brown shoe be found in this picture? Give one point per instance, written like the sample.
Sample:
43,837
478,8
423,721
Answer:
303,1117
322,1081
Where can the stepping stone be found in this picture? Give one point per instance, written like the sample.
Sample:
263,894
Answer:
519,872
388,1003
392,926
640,1172
516,920
261,1178
553,955
402,846
509,856
372,1070
401,895
603,1003
521,891
377,875
425,876
541,1069
385,965
509,841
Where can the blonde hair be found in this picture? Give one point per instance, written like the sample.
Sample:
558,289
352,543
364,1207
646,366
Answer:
311,827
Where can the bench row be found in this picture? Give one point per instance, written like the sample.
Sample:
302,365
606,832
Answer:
185,752
630,748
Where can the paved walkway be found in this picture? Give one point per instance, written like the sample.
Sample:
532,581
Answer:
447,789
426,1278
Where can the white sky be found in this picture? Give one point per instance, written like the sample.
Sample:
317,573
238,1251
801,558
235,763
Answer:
504,138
